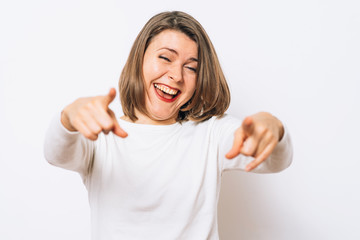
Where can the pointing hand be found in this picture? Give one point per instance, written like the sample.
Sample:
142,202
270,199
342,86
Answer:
257,136
92,115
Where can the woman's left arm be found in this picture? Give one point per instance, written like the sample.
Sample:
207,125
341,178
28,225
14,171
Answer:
257,137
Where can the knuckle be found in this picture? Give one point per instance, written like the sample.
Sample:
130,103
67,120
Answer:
108,128
82,113
108,125
91,136
270,136
249,150
261,130
87,135
90,105
75,121
246,152
97,130
97,103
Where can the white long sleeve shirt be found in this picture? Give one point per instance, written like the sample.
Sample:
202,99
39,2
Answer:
161,182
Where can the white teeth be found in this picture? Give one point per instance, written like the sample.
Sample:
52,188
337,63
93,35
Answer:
166,89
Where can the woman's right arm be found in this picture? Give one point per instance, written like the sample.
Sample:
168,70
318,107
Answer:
66,149
69,140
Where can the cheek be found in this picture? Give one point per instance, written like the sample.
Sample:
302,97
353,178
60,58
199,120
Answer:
190,90
192,86
152,71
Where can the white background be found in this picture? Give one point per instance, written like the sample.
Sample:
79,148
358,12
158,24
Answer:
299,60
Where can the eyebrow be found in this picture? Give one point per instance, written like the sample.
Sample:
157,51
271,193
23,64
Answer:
175,52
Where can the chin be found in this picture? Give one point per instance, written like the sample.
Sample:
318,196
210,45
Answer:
163,116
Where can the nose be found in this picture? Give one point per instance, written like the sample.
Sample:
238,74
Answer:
175,73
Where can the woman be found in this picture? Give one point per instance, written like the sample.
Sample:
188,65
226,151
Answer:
155,173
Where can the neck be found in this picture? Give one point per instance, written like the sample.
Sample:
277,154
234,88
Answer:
144,119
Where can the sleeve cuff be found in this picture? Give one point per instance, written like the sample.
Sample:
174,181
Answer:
57,124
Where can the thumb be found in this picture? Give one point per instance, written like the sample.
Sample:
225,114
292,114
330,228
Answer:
239,138
107,99
117,129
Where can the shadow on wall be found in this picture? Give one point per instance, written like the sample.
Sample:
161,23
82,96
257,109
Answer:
250,209
237,217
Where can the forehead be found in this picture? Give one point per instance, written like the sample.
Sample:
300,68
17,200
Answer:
175,40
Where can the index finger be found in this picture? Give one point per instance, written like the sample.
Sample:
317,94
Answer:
116,128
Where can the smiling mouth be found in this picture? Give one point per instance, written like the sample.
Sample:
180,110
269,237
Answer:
166,93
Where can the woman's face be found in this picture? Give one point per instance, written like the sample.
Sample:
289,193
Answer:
169,68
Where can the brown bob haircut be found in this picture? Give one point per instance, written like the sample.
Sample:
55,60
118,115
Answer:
212,95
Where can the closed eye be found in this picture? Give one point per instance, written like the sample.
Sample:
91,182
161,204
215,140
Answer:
165,58
192,69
